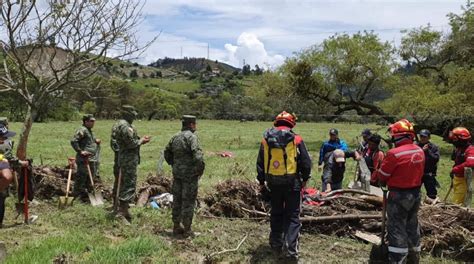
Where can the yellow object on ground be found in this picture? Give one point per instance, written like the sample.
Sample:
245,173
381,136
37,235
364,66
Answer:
459,189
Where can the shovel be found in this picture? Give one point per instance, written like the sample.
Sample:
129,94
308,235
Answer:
65,201
379,253
117,191
94,197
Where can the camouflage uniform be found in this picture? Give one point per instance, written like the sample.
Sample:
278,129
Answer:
84,140
6,155
184,154
115,148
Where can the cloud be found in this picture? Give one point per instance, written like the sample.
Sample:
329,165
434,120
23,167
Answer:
251,50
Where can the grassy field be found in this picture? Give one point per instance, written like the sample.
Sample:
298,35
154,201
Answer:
86,234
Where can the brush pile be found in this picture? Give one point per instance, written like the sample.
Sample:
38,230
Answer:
447,230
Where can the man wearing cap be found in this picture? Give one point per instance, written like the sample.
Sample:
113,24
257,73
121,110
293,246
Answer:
329,146
6,176
431,165
366,133
373,157
128,143
185,155
86,146
334,168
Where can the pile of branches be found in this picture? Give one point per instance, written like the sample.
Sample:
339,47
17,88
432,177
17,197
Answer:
235,198
49,181
447,230
154,185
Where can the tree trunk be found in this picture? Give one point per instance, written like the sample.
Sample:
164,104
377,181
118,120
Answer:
25,133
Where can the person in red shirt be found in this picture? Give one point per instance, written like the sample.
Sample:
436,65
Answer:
373,157
463,157
402,172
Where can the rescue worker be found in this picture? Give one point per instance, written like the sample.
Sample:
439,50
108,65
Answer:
284,167
402,171
329,146
185,155
431,165
86,146
6,176
129,157
463,156
373,157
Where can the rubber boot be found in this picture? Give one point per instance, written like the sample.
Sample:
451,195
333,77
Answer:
177,229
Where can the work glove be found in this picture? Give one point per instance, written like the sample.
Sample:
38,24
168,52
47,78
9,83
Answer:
265,193
451,174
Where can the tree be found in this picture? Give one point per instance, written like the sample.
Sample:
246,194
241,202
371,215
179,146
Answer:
347,72
51,46
258,70
246,70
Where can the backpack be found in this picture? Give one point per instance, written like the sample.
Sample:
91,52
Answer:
281,152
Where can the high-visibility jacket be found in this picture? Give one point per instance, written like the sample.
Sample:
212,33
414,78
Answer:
403,166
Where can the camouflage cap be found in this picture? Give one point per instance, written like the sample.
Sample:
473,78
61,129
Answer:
129,110
5,133
188,119
4,121
88,117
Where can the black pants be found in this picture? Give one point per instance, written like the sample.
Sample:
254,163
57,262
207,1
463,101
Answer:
3,197
402,224
285,217
430,182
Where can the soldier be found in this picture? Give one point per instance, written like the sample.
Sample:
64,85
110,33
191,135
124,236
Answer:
86,146
128,143
184,154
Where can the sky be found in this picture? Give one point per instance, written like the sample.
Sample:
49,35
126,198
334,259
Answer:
265,32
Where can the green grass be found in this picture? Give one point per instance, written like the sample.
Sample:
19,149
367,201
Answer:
177,85
86,234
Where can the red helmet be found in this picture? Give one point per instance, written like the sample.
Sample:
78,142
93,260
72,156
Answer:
401,127
459,133
287,118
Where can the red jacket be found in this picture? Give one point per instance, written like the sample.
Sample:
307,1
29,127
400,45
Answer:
403,167
377,159
463,159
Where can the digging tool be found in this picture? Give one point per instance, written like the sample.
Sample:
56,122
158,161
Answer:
449,191
379,253
94,197
65,201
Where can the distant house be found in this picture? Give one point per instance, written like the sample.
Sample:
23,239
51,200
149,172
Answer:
216,71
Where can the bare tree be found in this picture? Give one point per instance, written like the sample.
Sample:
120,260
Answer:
50,46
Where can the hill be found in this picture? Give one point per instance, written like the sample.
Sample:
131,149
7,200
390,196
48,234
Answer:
193,65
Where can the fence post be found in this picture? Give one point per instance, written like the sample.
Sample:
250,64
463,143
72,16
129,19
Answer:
468,178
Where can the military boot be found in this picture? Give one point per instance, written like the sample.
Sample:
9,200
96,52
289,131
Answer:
123,214
187,232
177,229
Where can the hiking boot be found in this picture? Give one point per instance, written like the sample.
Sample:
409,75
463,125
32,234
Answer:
187,232
123,211
178,229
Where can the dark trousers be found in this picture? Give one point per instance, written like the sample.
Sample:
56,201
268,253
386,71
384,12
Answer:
285,218
430,182
402,224
3,197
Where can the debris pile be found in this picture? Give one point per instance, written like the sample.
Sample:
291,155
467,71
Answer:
447,230
154,185
50,181
235,198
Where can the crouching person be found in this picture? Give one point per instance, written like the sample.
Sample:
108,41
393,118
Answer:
284,165
402,171
185,155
